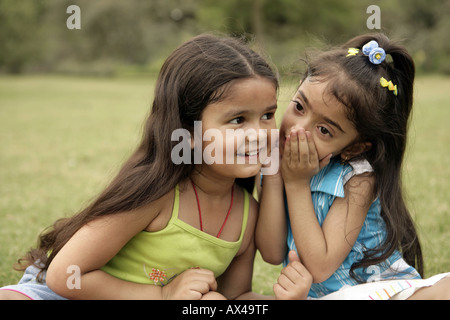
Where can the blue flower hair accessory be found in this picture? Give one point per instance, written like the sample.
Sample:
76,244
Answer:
374,52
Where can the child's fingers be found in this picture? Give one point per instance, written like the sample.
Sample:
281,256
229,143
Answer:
287,150
294,146
294,282
300,269
280,292
288,277
190,284
304,147
294,271
313,157
296,265
293,256
202,277
208,277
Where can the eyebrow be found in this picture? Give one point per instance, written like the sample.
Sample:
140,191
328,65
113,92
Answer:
238,112
271,108
333,123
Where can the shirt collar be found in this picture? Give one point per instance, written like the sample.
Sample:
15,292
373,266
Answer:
330,179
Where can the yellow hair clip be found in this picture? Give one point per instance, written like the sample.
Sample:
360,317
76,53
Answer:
352,52
388,84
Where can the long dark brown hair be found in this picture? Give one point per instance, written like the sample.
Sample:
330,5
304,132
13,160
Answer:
196,74
381,118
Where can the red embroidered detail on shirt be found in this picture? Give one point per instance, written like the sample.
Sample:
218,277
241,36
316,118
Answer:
160,277
157,275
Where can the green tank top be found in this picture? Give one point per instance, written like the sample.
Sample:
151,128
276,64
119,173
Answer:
158,257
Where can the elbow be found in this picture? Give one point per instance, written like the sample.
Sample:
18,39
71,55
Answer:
319,277
274,257
53,282
271,252
319,273
58,281
272,260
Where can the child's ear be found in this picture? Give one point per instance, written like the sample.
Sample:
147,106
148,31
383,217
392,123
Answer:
355,149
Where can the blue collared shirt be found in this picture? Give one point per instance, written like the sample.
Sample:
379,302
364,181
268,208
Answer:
325,187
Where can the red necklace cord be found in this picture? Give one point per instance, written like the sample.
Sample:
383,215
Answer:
200,211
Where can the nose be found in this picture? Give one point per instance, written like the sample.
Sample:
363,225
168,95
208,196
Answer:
256,138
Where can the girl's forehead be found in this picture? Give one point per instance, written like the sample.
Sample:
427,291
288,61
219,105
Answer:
247,91
253,95
243,85
316,92
317,98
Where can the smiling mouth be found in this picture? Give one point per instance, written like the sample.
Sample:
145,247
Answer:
249,153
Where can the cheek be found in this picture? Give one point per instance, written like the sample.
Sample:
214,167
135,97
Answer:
285,125
322,148
273,139
235,140
322,154
290,120
325,148
272,126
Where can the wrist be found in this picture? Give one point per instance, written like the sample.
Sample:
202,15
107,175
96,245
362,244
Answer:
298,184
272,179
164,292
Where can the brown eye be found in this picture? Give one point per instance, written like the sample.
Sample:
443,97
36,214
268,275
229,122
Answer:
298,106
268,116
237,120
324,131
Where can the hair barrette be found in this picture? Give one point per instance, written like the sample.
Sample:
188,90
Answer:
352,52
388,84
374,52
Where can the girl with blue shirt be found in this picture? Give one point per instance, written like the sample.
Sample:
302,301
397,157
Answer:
342,142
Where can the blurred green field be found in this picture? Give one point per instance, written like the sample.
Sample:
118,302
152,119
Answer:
62,138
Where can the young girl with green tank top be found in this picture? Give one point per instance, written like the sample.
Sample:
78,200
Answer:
169,226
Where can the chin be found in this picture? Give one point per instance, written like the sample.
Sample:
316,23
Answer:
249,171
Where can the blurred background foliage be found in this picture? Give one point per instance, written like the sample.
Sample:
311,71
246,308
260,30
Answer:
135,36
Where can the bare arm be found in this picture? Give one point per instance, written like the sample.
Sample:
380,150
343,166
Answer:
271,229
89,249
322,248
96,243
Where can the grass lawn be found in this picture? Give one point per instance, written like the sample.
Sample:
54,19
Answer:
63,138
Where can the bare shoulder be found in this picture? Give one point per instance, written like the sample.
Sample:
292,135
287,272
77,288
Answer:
99,240
157,213
141,217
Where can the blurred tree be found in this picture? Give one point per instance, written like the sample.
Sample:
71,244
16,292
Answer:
19,33
117,33
114,33
428,22
284,28
423,25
